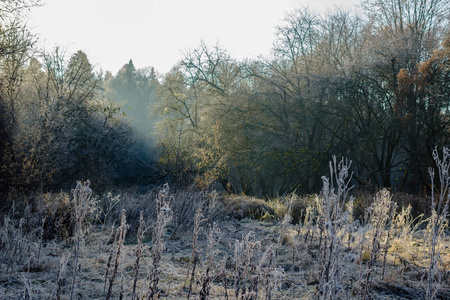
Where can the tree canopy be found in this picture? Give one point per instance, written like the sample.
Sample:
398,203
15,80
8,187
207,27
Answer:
373,86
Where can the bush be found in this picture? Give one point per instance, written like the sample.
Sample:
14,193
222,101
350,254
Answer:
58,211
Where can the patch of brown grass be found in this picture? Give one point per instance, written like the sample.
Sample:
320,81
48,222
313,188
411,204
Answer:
241,207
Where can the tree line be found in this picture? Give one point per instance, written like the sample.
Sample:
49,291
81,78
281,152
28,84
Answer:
372,85
61,121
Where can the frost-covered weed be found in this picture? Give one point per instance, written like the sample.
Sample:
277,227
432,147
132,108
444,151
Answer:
380,214
84,206
163,217
334,223
118,249
440,196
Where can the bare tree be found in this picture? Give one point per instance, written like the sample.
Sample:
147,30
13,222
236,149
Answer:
15,45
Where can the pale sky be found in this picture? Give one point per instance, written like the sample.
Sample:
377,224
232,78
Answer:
156,32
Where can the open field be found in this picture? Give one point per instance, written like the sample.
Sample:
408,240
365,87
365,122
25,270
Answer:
218,247
219,179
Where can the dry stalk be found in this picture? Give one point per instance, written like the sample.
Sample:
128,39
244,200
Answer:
120,237
139,248
245,279
163,216
334,222
28,292
271,275
60,281
213,239
195,254
108,264
82,207
438,220
381,214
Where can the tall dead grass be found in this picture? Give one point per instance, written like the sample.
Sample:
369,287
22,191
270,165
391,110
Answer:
314,245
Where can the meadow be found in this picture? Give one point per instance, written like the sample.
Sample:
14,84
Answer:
143,185
173,243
